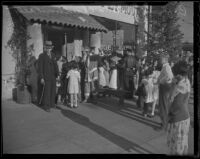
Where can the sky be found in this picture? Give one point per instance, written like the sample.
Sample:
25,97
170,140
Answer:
186,21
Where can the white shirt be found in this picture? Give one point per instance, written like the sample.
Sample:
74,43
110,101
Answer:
166,74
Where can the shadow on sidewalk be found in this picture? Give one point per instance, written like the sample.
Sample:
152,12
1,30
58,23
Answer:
129,111
116,139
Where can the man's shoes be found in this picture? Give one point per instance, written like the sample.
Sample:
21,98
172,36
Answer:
48,110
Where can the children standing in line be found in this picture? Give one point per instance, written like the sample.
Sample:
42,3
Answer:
73,84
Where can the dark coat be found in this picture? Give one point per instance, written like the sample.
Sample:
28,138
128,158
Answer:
47,68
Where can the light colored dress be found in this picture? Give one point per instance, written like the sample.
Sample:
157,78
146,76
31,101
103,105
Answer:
113,79
106,73
73,84
102,79
148,83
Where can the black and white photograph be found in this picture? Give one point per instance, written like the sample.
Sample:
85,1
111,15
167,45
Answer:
98,78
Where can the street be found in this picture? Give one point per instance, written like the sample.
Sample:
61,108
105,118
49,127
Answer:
104,127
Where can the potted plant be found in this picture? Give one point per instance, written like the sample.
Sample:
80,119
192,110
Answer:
17,44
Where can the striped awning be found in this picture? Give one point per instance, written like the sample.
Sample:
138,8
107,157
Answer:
60,16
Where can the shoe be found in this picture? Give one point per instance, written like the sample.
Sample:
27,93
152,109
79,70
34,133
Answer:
145,115
151,115
48,110
76,106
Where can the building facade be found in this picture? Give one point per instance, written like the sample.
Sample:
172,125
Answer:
71,28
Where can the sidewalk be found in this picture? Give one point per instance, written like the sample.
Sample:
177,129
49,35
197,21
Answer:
101,128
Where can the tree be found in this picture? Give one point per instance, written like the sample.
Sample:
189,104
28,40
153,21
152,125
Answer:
165,33
141,31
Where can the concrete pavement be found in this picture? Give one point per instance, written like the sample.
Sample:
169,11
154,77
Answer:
104,127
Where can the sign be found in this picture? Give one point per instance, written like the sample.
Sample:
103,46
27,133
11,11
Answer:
128,10
126,14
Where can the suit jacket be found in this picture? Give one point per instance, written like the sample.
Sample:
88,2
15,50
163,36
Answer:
47,68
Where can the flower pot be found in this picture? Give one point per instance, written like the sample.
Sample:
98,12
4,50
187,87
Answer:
23,95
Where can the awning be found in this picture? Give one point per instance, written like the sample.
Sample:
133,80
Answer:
60,16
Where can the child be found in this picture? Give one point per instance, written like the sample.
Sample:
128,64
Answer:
102,79
148,85
73,84
155,91
178,116
113,77
106,71
141,93
60,62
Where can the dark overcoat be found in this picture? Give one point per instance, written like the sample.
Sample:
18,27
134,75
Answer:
48,70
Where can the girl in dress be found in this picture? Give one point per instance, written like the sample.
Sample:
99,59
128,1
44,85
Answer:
178,116
113,77
106,71
155,76
102,79
148,85
73,84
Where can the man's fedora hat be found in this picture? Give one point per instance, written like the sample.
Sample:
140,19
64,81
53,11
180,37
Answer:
48,44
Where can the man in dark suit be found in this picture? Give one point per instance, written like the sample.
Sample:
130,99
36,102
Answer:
48,72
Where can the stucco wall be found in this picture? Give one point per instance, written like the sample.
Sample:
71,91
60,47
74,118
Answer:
8,63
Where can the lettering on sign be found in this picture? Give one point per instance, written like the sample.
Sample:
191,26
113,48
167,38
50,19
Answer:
128,10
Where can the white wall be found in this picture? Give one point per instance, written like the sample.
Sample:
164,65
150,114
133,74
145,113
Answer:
8,63
35,32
